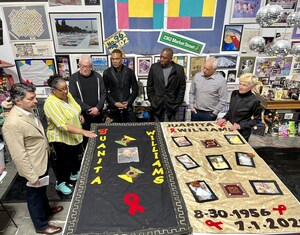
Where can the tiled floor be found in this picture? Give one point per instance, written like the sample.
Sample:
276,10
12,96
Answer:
21,216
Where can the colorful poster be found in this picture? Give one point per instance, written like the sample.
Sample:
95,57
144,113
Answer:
196,19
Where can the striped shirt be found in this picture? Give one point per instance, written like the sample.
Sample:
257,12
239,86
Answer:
59,113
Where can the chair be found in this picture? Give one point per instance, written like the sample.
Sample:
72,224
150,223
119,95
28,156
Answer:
2,176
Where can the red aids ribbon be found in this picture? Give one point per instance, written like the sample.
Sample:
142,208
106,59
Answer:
103,131
172,130
211,223
280,209
132,200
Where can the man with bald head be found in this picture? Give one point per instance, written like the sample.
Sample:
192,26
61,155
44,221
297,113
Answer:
165,87
208,93
88,89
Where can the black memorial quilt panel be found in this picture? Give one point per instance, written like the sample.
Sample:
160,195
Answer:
127,184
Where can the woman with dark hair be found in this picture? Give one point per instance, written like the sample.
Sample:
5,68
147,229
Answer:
64,131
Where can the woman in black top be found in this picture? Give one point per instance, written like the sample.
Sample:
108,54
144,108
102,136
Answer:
244,108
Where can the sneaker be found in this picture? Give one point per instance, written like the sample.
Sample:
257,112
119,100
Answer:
74,177
63,188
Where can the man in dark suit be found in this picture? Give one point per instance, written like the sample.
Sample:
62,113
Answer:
165,87
29,149
122,89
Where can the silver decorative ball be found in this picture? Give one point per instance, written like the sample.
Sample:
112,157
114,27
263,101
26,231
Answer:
257,44
291,19
281,48
297,19
274,12
296,50
262,17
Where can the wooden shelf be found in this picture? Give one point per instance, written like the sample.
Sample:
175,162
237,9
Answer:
278,104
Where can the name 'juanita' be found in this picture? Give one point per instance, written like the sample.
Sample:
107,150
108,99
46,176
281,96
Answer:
196,127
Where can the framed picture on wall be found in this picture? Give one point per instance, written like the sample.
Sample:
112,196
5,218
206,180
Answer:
100,63
196,65
32,27
144,64
92,2
35,71
77,33
63,66
232,36
64,2
181,60
226,61
129,62
244,11
246,65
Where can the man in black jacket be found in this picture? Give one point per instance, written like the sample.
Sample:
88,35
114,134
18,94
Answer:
165,87
87,88
122,89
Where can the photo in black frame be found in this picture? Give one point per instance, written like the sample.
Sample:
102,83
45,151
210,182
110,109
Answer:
218,162
244,159
234,139
265,187
91,2
182,141
201,191
187,161
63,66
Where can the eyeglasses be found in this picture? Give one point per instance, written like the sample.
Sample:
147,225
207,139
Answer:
85,66
63,89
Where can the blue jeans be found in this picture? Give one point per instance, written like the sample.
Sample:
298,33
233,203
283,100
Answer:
202,116
38,206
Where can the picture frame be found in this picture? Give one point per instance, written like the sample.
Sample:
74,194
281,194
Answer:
218,162
64,2
33,28
187,161
244,159
273,66
284,4
100,63
35,71
234,139
129,62
86,36
196,65
232,36
156,59
182,141
226,61
266,187
223,73
181,60
231,76
246,65
63,66
128,154
234,190
201,191
91,2
144,64
244,11
210,143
